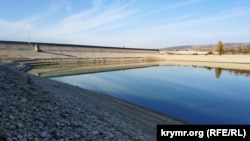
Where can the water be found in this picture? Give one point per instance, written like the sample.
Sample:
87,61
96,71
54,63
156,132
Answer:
195,95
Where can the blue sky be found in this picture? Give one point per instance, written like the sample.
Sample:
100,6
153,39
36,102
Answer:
129,23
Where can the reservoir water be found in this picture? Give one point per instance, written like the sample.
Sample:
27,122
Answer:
193,94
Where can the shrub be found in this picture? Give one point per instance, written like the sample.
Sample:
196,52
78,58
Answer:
209,53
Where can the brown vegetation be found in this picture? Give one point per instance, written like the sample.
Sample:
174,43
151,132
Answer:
228,48
217,72
219,47
239,50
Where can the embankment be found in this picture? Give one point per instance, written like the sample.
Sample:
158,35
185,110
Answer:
64,54
34,108
66,70
218,61
23,50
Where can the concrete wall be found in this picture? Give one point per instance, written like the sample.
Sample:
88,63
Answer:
27,50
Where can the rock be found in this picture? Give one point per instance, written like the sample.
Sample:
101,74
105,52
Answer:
109,137
75,124
57,135
19,125
94,139
84,133
12,117
76,136
58,124
88,137
19,137
44,134
101,133
24,100
12,109
12,127
94,133
9,139
30,138
64,115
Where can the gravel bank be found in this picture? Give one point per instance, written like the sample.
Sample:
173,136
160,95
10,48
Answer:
34,109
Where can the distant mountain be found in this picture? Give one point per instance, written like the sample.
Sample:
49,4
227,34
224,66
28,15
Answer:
209,47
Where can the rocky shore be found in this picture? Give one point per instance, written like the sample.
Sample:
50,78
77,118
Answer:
34,109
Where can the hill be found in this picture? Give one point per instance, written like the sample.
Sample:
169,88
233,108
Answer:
229,48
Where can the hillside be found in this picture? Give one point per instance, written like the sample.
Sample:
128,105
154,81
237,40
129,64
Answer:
229,48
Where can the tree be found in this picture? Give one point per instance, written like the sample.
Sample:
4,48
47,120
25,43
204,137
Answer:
217,72
219,47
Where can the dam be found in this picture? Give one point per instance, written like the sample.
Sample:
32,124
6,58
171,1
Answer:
53,50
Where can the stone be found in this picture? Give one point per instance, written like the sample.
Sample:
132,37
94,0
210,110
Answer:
64,115
84,133
12,127
110,137
19,137
24,100
88,137
19,125
44,134
101,133
30,138
12,109
57,135
75,124
9,139
58,124
76,136
94,133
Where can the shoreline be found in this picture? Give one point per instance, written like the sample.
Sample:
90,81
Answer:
39,108
210,58
66,70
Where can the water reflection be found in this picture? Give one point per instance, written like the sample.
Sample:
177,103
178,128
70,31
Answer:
49,71
59,70
188,93
217,72
240,72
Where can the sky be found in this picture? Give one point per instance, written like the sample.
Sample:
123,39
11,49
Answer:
128,23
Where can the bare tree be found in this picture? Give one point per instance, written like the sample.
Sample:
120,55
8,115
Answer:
219,47
217,72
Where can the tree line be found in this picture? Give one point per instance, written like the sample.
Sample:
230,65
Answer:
233,50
